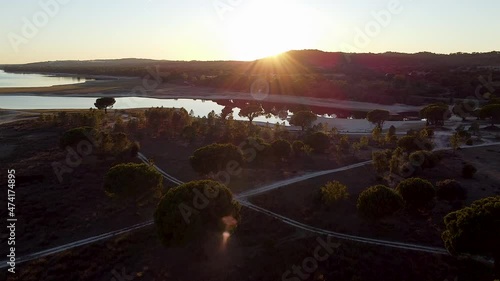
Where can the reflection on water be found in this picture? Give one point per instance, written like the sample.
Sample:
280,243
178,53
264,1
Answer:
200,107
17,80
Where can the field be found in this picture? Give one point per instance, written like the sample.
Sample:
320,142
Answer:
53,213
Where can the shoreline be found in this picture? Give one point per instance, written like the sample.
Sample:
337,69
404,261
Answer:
190,92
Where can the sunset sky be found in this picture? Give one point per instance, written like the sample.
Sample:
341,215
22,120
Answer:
240,29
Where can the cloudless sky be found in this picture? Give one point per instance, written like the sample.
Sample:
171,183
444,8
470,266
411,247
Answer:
240,29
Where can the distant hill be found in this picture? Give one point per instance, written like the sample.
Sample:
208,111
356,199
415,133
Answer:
291,62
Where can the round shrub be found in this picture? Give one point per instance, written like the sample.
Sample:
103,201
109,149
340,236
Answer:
416,192
468,171
424,159
193,210
414,143
450,190
333,192
281,148
132,179
297,147
318,141
134,149
215,157
379,201
74,136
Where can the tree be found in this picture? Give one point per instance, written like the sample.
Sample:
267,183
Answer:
215,157
468,171
455,141
414,143
251,111
381,160
391,134
379,201
281,149
416,192
333,192
450,190
435,114
104,103
318,141
74,136
192,211
378,117
132,180
464,109
304,119
474,230
226,112
491,111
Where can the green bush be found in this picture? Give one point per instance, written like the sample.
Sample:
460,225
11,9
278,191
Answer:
450,190
189,212
297,147
468,171
414,143
132,179
379,201
134,149
333,192
318,141
215,157
281,149
416,192
474,230
74,136
381,160
424,159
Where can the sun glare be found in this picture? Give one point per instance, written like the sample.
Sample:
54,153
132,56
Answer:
264,29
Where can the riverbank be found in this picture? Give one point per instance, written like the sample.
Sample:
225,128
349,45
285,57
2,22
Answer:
136,88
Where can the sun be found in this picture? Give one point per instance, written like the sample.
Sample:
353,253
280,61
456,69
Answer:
268,28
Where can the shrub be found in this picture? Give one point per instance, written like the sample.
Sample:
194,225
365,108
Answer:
379,201
474,230
416,192
450,190
134,149
469,142
333,192
424,159
281,149
381,160
414,143
468,171
74,136
215,157
318,141
190,211
132,179
297,147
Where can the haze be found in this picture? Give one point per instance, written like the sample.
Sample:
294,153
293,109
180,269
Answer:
240,30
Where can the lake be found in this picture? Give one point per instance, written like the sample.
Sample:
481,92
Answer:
17,80
199,107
